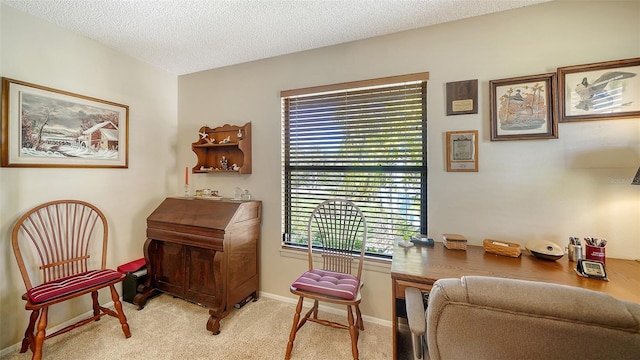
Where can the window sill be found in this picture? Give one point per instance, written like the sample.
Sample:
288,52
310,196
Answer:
370,263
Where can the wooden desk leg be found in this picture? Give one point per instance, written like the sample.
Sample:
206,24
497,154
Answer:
148,289
394,321
220,309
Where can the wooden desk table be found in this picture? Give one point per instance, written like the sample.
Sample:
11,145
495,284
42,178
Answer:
421,266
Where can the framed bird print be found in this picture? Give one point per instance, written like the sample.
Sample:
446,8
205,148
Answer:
600,91
523,108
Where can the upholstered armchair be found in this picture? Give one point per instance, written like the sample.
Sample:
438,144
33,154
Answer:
493,318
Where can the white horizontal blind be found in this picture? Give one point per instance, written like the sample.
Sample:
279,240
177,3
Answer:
367,145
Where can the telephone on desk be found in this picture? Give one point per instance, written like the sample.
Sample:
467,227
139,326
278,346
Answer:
593,269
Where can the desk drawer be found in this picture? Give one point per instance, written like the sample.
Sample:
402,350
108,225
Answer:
401,285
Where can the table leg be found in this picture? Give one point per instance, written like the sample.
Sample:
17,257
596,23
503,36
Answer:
394,321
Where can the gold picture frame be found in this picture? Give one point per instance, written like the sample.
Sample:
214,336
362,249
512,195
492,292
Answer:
46,127
462,150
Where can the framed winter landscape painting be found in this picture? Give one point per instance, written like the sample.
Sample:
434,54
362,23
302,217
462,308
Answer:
601,91
45,127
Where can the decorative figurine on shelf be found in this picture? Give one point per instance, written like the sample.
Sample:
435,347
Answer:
235,167
224,164
204,136
226,140
239,134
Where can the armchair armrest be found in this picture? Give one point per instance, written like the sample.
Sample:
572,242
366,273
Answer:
415,311
417,320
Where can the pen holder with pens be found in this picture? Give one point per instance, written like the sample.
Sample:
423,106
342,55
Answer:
595,253
574,252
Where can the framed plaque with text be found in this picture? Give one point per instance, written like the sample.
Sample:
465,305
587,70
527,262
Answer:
462,97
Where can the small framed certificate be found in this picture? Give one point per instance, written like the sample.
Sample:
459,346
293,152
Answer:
462,150
462,97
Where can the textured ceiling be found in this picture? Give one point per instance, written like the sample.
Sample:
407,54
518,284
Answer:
185,36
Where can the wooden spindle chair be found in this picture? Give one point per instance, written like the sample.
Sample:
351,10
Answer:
337,230
61,250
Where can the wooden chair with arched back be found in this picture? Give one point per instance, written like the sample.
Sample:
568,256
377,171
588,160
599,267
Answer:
61,250
337,231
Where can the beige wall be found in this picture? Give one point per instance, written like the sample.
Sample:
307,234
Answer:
577,185
38,52
544,189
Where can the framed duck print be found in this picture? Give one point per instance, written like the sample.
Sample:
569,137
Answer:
600,91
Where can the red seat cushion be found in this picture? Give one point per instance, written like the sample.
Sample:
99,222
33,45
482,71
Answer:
71,284
132,266
344,286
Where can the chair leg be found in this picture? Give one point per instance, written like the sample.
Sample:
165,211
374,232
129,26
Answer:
96,305
353,331
118,305
29,338
294,328
359,322
315,309
40,336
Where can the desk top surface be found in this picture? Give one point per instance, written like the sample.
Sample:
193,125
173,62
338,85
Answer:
428,264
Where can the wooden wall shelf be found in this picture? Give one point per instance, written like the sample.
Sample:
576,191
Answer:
210,151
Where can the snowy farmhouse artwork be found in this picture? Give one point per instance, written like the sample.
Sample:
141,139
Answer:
53,127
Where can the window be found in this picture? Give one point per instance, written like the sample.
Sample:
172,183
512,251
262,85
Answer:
364,141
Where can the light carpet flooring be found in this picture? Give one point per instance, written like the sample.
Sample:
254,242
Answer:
171,328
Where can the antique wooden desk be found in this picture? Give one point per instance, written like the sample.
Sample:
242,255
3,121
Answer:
421,266
204,251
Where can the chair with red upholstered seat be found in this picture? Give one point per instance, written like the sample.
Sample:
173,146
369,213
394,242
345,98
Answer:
61,250
337,232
